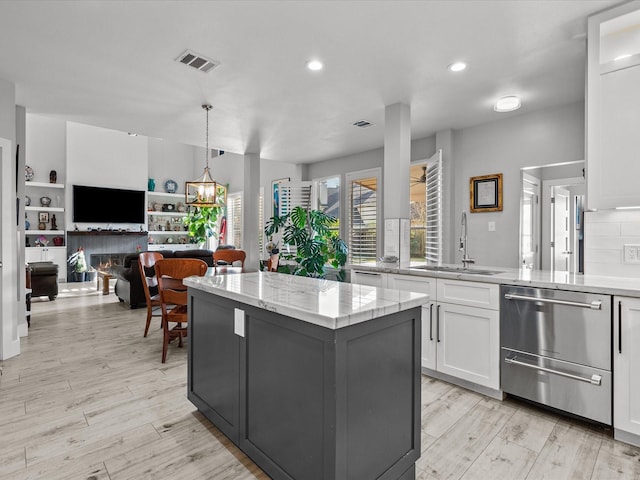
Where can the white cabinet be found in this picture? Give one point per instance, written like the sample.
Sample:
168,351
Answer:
626,368
421,285
613,109
165,215
373,279
460,327
57,255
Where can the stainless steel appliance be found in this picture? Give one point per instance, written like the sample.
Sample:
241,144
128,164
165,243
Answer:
556,349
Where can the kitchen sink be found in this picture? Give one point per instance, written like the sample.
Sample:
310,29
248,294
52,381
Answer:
436,268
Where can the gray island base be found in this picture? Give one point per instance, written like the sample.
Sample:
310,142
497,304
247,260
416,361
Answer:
307,394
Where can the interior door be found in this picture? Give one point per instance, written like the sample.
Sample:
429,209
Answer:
561,241
529,223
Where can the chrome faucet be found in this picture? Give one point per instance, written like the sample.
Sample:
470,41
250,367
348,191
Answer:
464,242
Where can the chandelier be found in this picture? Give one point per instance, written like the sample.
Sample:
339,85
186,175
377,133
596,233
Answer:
202,192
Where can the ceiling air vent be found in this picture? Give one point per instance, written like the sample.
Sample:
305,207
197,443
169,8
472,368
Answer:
362,124
197,61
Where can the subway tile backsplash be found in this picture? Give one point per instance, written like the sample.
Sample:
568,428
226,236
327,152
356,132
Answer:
606,233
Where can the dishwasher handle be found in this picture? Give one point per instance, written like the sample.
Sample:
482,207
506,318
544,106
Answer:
594,380
595,305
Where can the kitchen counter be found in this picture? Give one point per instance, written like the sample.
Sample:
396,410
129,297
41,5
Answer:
324,303
629,287
311,378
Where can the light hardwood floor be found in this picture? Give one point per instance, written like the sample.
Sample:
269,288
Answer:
88,398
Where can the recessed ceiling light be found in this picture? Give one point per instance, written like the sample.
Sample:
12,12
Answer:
457,66
131,134
508,104
315,65
622,57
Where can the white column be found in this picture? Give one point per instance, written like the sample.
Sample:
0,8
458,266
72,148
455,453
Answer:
397,160
251,198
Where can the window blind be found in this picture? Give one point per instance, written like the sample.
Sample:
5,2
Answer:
293,194
261,253
234,219
433,238
363,219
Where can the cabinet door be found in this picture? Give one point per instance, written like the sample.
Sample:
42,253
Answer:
33,254
58,255
468,343
472,294
626,365
421,285
214,353
614,168
428,355
374,279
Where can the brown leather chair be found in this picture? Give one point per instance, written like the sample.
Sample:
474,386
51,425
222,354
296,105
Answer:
146,266
229,257
170,272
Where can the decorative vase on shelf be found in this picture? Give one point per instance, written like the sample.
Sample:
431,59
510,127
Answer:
53,176
45,201
151,185
27,200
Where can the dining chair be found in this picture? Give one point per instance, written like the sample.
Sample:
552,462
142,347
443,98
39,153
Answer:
173,296
272,263
229,257
146,263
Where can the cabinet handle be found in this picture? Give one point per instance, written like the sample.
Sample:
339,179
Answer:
438,324
619,327
431,322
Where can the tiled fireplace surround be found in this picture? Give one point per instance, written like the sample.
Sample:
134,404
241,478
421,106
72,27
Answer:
102,247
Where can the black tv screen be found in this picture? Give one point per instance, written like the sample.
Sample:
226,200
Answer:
108,205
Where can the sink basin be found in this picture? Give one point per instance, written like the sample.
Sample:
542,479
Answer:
436,268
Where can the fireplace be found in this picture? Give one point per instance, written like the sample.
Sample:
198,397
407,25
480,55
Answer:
99,246
104,261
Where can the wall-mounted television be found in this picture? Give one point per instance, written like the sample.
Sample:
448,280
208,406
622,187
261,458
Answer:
108,205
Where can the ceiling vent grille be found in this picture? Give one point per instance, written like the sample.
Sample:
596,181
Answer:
362,124
197,61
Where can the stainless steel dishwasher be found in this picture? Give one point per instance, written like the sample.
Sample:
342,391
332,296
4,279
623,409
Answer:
556,349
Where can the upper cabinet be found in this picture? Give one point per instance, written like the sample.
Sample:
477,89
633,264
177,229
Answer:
613,108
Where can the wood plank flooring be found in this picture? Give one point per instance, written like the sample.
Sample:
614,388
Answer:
88,398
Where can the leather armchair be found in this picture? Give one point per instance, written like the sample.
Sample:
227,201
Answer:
129,287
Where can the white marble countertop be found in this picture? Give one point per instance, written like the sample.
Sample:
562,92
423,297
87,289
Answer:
325,303
525,277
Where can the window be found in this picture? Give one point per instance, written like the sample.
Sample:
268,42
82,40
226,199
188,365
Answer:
234,220
425,187
327,192
261,252
364,211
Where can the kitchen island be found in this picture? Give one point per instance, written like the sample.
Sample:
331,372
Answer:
312,379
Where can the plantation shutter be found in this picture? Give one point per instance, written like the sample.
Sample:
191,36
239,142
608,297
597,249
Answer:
234,220
261,252
433,241
363,219
293,194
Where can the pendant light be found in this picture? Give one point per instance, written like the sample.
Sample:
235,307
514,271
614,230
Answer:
202,192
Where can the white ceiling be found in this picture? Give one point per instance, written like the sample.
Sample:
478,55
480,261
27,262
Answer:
111,64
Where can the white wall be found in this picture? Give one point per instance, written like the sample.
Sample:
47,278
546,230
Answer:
504,146
271,170
10,291
606,233
106,158
173,161
46,147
